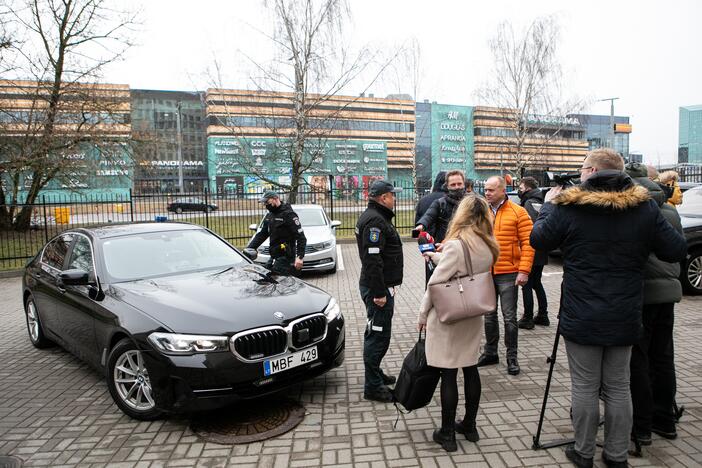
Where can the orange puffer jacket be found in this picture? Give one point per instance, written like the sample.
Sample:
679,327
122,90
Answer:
512,229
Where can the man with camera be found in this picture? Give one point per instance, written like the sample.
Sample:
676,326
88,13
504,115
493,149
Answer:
605,229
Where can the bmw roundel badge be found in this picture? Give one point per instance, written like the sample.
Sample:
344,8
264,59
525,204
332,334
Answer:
279,315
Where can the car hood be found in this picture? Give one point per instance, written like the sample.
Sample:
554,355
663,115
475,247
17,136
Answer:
216,303
314,235
689,221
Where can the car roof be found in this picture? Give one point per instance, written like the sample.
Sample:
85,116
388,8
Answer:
124,229
306,206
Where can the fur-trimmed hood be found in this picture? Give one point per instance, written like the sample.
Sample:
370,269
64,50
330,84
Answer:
610,190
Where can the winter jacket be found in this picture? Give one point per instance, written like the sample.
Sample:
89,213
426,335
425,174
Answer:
532,201
437,191
605,228
287,236
512,229
437,218
454,345
661,279
380,249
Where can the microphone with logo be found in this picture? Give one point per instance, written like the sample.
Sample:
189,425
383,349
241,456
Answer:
426,244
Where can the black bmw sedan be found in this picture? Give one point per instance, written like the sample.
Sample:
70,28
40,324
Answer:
176,318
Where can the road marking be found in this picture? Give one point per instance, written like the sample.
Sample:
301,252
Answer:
554,273
339,259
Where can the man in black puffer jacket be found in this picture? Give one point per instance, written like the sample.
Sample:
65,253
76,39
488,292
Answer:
532,199
605,229
652,358
436,219
438,191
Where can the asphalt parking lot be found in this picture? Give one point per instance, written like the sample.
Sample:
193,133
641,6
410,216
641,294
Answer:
57,411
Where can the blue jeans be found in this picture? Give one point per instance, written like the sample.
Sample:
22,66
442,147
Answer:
506,292
376,337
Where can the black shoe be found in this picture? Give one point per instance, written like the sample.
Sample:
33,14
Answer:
612,463
643,438
512,366
388,379
487,360
381,394
577,459
666,433
542,319
526,323
446,438
468,430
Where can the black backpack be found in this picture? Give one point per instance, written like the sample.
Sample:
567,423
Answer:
417,380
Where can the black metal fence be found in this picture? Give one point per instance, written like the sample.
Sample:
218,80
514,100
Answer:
228,214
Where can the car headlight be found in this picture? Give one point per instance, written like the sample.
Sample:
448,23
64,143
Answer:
326,245
333,311
174,343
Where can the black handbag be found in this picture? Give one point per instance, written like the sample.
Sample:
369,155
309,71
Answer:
417,381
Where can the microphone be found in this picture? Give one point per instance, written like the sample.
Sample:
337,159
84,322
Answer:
426,244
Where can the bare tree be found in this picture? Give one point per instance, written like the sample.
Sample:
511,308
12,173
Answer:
526,89
311,66
60,109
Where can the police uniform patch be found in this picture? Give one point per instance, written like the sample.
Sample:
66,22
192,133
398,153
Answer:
297,221
374,235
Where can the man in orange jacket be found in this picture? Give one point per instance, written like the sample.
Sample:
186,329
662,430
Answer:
512,229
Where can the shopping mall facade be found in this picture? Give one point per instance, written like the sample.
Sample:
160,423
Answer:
240,141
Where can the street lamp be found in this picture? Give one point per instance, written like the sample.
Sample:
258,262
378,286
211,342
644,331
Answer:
611,119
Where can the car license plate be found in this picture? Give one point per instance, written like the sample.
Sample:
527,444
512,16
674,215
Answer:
273,366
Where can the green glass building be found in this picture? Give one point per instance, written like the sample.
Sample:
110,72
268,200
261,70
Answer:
690,135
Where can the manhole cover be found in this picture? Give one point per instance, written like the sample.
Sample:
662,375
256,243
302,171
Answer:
10,462
248,422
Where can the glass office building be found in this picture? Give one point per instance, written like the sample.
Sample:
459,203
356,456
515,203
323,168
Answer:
690,135
599,134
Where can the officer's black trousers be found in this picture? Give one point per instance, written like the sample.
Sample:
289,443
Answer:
376,338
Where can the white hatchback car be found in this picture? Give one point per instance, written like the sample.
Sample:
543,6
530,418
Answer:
320,253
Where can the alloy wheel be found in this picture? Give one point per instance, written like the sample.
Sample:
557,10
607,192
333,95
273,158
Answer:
694,272
32,321
132,381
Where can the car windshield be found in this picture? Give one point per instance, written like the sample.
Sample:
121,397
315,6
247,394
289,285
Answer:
692,202
165,253
311,217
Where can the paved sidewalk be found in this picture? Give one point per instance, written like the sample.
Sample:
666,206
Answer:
56,411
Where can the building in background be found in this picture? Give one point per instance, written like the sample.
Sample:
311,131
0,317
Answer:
89,142
690,135
551,143
356,140
169,132
598,132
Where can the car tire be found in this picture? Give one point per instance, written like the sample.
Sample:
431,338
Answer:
179,210
691,273
135,398
34,326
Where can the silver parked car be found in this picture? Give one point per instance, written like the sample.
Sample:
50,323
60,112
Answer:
320,253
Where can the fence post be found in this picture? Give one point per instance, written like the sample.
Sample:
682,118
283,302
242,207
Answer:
46,222
207,209
131,206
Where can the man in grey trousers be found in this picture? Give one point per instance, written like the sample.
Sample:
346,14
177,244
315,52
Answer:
605,229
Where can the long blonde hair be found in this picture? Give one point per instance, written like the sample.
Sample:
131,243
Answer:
473,216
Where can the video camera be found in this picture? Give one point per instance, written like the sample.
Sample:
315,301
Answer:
564,179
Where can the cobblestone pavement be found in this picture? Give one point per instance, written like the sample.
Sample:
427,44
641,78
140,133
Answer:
56,411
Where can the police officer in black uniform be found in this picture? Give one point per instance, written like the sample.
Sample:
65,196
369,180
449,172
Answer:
380,248
288,241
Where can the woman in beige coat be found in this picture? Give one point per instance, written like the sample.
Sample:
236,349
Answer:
457,345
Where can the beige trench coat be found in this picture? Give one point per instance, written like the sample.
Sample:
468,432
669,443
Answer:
455,345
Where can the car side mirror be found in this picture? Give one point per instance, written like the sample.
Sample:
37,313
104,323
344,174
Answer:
75,277
253,227
335,224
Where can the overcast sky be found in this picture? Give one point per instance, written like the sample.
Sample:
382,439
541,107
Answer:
648,53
